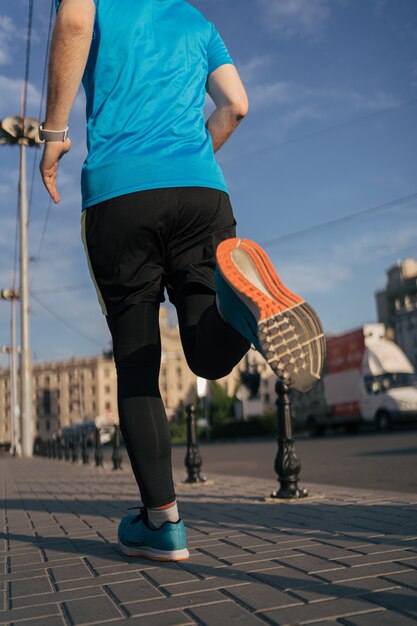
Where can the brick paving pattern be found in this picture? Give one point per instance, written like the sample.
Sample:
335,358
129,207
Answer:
341,557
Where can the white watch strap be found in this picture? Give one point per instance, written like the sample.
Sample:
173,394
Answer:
52,135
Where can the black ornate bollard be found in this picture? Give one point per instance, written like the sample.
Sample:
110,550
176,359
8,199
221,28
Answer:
75,446
287,465
116,456
67,454
59,448
192,459
54,450
98,450
49,449
84,450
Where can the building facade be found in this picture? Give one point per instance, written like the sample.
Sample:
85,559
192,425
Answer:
397,306
81,389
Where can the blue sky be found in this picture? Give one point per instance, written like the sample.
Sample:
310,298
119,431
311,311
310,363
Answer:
331,132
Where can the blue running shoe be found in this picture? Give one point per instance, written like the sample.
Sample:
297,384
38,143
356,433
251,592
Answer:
167,543
282,326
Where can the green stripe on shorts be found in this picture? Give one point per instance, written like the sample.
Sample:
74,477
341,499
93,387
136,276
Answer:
84,240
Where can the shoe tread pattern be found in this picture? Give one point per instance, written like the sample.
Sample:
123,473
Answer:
288,331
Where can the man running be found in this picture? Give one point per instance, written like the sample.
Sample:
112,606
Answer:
156,210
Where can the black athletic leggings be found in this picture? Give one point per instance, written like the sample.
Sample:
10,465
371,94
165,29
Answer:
212,349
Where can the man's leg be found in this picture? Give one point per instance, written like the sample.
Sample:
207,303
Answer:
212,347
143,421
124,243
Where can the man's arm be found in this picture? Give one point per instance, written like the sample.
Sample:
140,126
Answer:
71,41
229,96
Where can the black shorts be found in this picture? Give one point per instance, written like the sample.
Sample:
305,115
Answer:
141,243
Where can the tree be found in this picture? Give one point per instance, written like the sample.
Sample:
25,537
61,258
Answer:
221,406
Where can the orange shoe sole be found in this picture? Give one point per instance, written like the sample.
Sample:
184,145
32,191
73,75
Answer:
289,332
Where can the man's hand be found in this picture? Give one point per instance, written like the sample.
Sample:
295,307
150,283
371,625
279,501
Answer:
52,153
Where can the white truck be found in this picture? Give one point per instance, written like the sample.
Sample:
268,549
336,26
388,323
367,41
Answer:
368,379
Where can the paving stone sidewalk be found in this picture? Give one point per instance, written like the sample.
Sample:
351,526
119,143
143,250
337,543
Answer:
341,556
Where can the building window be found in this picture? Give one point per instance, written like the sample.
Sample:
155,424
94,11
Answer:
106,373
107,389
107,406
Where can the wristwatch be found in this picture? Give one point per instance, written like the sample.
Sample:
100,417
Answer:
52,135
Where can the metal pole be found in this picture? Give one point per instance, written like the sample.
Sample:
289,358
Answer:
25,357
14,404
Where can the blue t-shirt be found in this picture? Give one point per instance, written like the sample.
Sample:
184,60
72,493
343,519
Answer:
145,83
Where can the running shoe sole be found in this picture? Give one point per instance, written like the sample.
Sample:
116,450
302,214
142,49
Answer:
281,325
153,554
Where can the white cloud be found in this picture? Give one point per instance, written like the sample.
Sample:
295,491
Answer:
314,277
7,29
262,95
303,18
11,89
10,35
249,70
290,105
336,262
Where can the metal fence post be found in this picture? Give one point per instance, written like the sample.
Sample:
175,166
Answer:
117,454
84,451
193,461
75,445
67,455
98,454
59,447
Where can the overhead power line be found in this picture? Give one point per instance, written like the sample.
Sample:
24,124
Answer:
65,323
45,224
391,204
45,71
327,129
27,61
60,289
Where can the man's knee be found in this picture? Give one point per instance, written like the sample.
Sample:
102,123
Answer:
210,371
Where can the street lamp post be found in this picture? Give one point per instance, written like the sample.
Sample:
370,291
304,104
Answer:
13,296
24,132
